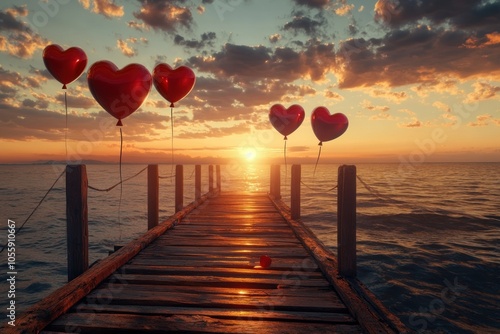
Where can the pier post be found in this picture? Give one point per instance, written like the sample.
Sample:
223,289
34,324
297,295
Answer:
275,182
77,220
210,178
179,188
197,182
153,196
217,172
295,192
346,220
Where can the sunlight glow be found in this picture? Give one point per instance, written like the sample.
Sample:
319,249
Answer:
250,154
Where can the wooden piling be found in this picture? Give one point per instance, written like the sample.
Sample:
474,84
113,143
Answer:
77,220
346,220
179,188
153,196
217,172
295,192
197,182
275,182
210,178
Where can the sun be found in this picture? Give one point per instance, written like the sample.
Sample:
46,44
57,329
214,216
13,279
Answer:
250,154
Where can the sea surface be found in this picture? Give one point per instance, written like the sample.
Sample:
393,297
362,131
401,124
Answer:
428,234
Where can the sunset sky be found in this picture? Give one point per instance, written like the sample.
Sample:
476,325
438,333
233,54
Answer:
418,80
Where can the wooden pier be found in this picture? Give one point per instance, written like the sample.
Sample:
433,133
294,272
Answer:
199,272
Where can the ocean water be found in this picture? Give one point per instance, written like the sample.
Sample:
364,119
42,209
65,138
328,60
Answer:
428,235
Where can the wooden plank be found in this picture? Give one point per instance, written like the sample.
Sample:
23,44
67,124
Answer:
235,262
213,240
296,291
221,313
128,323
217,271
273,300
237,282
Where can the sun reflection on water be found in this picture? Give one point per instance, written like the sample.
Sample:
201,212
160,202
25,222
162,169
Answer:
253,176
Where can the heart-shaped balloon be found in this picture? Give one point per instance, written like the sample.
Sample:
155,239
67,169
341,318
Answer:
286,120
119,92
328,127
65,66
172,84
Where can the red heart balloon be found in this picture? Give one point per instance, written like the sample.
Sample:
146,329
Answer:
285,120
119,92
65,66
327,127
172,84
265,261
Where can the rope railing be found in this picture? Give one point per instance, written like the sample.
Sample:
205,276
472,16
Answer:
120,182
36,207
318,190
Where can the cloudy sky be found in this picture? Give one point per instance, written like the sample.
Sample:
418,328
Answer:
418,80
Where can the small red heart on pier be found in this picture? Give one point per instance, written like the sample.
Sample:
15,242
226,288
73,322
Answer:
286,120
265,261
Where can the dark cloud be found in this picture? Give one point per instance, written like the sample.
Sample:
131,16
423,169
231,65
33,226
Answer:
313,3
167,16
460,43
18,39
254,63
304,24
460,13
206,39
9,22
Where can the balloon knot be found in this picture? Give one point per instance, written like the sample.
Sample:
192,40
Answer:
64,86
171,105
119,123
285,138
320,143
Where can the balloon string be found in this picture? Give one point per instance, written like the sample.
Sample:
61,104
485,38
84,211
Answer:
121,185
66,127
286,166
316,165
172,142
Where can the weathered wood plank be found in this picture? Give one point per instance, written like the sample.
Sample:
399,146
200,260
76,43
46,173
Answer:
233,262
236,282
217,240
216,271
221,313
295,291
131,323
273,300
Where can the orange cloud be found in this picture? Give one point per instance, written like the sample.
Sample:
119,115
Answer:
19,39
482,91
104,7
